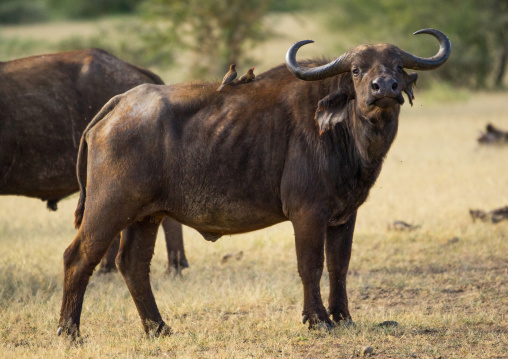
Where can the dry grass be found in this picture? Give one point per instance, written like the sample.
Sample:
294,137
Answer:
445,283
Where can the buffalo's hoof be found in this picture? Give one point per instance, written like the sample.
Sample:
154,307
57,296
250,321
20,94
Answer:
184,263
347,323
315,322
176,267
71,332
341,319
162,330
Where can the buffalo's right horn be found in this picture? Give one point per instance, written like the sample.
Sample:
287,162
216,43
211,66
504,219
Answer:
337,66
430,63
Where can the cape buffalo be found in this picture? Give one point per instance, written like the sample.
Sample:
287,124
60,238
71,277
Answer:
45,104
238,160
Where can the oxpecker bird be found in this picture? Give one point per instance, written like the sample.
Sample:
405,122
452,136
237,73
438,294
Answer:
248,76
229,77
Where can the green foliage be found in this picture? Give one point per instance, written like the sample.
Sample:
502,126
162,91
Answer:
217,31
477,30
91,8
289,5
130,46
22,11
29,11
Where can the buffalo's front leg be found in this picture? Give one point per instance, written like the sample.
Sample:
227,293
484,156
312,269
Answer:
309,240
339,240
133,261
174,244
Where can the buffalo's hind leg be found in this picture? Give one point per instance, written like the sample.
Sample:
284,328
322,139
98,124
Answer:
80,260
338,253
133,261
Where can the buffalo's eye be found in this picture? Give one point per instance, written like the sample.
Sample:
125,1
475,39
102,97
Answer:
400,69
356,72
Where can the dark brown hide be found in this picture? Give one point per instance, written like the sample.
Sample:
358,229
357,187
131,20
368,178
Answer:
273,150
45,104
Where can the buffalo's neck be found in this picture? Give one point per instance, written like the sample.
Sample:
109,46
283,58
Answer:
358,148
374,135
362,142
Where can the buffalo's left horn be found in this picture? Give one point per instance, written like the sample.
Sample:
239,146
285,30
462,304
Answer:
430,63
337,66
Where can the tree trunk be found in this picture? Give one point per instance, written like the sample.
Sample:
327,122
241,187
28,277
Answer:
498,82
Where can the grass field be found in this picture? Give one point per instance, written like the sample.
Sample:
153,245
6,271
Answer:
445,284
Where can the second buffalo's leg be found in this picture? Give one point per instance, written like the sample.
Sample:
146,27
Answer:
108,262
174,243
309,240
338,253
133,261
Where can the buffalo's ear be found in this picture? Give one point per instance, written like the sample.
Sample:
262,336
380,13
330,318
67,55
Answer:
331,110
411,82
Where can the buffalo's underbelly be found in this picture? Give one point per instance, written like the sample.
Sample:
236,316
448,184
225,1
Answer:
234,220
45,178
227,213
222,202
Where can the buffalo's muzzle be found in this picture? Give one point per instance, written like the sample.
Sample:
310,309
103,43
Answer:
385,92
384,86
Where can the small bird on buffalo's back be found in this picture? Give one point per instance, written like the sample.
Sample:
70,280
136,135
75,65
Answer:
229,77
248,76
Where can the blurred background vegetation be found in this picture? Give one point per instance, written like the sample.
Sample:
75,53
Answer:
191,39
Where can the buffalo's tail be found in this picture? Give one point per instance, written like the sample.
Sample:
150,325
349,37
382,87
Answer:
81,172
81,166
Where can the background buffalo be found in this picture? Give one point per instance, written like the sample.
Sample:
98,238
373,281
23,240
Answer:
46,102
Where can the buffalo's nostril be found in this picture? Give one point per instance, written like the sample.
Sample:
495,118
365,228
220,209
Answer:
375,86
394,86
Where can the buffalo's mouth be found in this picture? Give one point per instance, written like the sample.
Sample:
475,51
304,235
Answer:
387,101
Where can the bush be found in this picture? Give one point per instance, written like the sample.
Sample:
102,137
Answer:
217,31
79,9
22,11
127,42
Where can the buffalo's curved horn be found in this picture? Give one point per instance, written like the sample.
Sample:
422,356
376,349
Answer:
430,63
337,66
